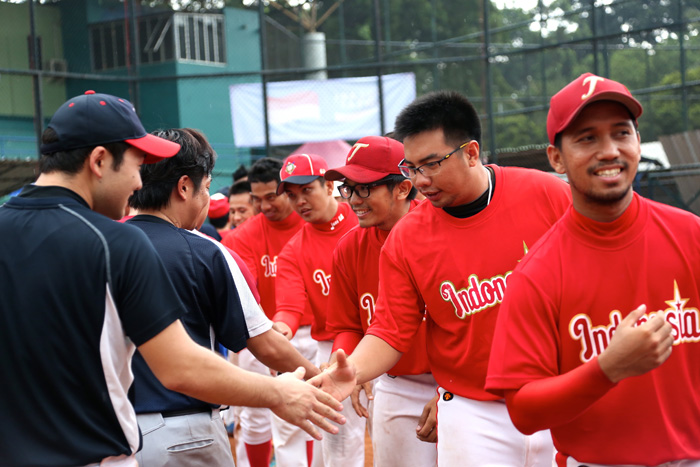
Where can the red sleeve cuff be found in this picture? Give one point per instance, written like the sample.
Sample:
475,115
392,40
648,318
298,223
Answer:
289,318
346,341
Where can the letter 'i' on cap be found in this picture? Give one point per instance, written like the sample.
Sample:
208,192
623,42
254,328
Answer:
94,119
565,105
300,169
370,159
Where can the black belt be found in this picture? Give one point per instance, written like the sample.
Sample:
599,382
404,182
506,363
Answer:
179,413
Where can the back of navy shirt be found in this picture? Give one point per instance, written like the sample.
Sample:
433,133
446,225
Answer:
77,291
204,283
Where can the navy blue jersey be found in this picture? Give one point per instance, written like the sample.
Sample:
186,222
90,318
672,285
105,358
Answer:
203,281
77,291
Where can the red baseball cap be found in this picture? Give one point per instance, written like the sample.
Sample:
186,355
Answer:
300,169
93,119
370,159
218,206
586,89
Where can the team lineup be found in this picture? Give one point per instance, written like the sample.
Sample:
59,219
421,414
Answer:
460,313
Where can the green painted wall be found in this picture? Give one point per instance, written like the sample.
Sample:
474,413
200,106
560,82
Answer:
16,92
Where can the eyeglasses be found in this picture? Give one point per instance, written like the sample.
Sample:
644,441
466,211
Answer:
362,191
429,169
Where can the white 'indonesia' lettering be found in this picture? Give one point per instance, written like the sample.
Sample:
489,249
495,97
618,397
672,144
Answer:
270,265
477,296
324,280
367,304
684,321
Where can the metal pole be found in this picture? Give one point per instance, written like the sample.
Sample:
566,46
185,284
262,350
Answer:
543,64
38,91
135,85
341,30
433,35
263,66
594,33
681,45
378,54
489,79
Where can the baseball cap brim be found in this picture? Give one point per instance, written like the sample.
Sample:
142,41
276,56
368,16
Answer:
296,180
632,104
156,148
355,173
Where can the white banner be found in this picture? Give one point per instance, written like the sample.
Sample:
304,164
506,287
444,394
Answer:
303,111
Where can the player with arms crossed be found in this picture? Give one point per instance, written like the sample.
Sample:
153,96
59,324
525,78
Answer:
452,257
380,195
584,345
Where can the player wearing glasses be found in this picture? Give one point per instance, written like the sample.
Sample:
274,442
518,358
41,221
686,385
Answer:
380,196
452,256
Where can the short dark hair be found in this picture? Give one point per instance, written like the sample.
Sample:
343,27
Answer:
72,161
265,170
448,110
240,172
394,179
219,222
239,187
195,159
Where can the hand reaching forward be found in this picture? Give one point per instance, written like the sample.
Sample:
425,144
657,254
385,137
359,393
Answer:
635,350
427,424
302,404
360,409
339,379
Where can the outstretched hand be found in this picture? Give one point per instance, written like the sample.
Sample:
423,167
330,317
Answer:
636,349
427,424
339,379
360,409
304,405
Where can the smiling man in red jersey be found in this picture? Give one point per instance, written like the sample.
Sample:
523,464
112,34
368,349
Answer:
304,279
259,241
600,335
380,195
452,256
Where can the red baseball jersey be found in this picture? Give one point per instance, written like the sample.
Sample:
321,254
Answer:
457,270
304,272
563,305
259,241
354,294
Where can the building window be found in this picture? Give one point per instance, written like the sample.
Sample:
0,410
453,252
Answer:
200,37
191,37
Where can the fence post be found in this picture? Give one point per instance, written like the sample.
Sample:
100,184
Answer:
378,54
263,67
489,82
35,59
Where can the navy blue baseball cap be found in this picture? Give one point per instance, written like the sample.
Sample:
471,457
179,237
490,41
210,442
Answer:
94,119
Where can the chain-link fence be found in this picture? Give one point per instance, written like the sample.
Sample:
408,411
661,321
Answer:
179,66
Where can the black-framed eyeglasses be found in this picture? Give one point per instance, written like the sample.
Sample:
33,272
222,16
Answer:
429,169
363,191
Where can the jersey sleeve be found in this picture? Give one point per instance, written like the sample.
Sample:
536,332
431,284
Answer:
290,291
526,339
343,314
255,319
238,242
142,290
398,313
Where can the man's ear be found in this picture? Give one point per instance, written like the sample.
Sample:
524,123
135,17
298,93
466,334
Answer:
403,189
555,159
472,152
184,187
97,161
330,186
